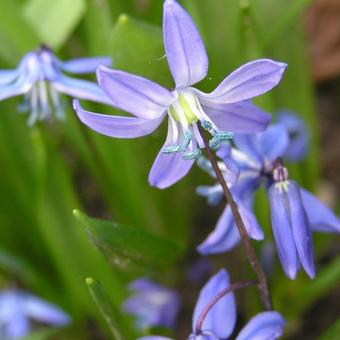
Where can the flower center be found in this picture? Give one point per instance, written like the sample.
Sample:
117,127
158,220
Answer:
186,109
41,101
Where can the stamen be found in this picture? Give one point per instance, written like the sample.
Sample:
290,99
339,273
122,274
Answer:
219,137
179,148
191,155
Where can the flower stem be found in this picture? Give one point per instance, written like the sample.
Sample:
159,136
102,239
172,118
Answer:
220,295
250,251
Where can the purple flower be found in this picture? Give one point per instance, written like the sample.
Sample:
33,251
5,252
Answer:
295,212
298,133
152,304
220,320
222,112
291,227
40,77
17,308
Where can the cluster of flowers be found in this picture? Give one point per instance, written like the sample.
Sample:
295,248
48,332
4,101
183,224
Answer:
254,156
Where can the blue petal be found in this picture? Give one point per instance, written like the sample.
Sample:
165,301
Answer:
273,142
13,320
15,89
320,217
17,327
139,96
168,169
185,51
282,229
214,194
8,76
85,65
249,219
263,326
242,117
222,317
117,126
299,135
144,285
223,238
301,229
248,81
42,311
206,335
152,304
80,89
250,152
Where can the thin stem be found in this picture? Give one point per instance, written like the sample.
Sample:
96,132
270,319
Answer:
250,252
220,295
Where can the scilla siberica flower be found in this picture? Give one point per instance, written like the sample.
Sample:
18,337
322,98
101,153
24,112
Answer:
222,112
295,212
220,320
152,304
18,308
40,77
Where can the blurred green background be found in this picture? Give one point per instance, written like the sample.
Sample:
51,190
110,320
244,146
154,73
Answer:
55,167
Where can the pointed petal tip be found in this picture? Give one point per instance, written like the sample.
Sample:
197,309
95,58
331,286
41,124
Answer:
75,104
291,273
100,70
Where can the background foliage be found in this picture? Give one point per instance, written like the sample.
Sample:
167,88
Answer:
55,167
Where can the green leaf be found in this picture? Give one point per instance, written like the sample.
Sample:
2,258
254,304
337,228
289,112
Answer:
137,47
325,280
332,333
16,34
104,306
43,334
127,247
54,21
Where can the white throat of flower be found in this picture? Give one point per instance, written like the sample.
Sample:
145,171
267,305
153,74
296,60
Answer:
42,100
280,176
184,115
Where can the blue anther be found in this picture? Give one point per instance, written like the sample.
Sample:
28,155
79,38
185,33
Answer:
179,148
191,155
206,125
172,149
218,138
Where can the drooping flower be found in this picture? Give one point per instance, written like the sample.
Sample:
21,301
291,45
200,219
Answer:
152,304
295,211
220,320
40,78
18,308
224,111
298,135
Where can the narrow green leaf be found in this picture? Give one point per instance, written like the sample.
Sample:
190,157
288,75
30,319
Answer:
286,20
97,24
54,21
104,306
137,47
127,247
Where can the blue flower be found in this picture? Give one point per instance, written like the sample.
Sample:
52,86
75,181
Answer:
40,78
299,135
17,308
295,212
152,304
220,320
222,112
